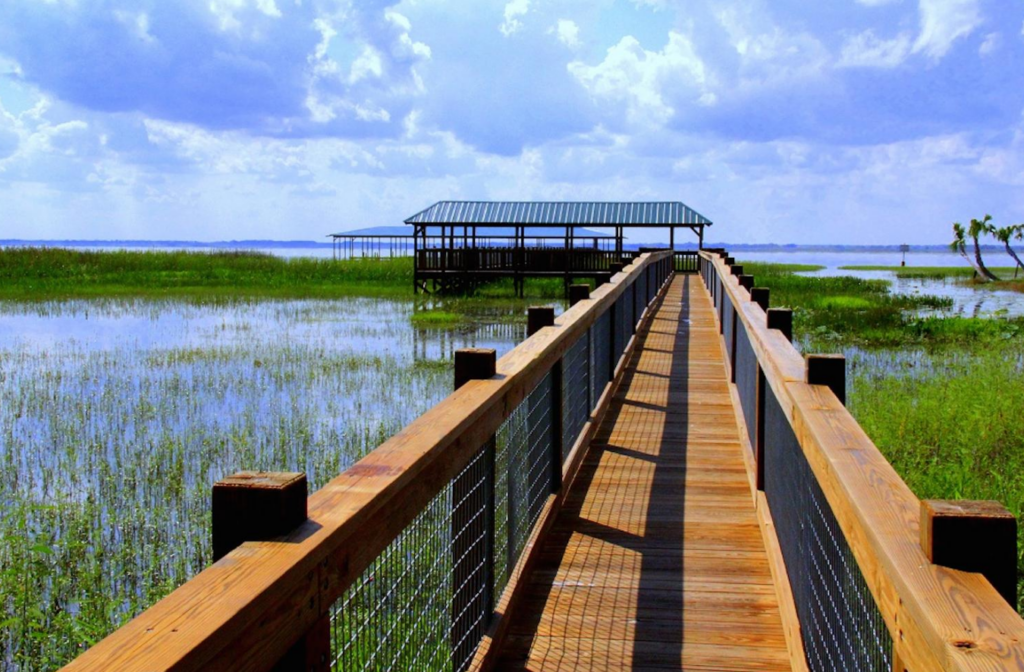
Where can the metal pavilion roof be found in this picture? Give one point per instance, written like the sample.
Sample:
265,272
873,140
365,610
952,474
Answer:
533,213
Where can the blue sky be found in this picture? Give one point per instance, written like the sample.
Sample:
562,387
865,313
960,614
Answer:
848,121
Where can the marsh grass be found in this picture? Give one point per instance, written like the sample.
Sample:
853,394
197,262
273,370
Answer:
940,395
112,435
1010,278
28,273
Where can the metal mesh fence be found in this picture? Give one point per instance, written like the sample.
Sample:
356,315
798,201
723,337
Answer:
576,399
523,463
602,347
397,614
728,327
841,625
628,316
641,291
746,381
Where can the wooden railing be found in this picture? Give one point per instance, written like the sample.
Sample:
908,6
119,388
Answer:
531,259
870,577
686,261
410,558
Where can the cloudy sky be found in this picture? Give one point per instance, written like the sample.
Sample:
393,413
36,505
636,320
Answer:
850,121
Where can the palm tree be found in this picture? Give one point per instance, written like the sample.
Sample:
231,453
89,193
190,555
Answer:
959,245
1003,234
978,227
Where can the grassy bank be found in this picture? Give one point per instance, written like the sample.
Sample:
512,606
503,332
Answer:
963,273
54,273
33,274
939,395
837,312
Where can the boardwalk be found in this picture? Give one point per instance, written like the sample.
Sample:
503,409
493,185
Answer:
657,561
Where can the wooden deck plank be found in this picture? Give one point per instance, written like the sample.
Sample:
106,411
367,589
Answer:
656,560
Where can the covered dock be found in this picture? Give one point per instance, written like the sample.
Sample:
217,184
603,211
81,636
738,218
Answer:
462,256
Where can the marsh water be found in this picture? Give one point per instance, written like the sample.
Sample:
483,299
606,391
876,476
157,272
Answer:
117,416
968,300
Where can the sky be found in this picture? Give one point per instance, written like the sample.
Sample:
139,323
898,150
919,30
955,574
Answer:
845,121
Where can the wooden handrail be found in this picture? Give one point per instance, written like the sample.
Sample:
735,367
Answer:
246,610
939,618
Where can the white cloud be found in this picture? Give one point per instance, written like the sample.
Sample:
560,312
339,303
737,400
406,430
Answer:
636,77
866,50
368,64
568,33
768,53
138,24
943,22
990,44
875,3
513,10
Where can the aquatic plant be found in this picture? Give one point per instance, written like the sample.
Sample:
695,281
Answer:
116,417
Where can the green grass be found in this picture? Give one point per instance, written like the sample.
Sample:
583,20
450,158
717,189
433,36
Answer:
28,274
436,318
952,432
944,273
941,396
830,312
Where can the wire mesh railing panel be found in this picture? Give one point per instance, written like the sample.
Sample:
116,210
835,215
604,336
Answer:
602,346
746,381
841,625
728,326
423,603
628,318
575,392
641,292
524,451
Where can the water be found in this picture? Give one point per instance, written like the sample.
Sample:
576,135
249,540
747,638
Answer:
968,300
117,416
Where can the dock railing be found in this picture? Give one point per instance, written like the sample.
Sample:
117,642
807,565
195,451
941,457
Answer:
869,576
410,559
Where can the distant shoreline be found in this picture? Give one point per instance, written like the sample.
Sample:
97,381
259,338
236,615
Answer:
309,244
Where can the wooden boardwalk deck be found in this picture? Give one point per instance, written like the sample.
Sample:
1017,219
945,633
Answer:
656,560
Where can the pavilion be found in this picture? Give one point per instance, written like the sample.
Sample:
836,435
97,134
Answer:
453,253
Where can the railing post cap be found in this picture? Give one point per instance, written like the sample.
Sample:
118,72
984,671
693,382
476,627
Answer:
267,480
538,317
972,536
474,364
256,505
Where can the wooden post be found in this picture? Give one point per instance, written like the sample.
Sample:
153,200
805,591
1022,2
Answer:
973,536
538,317
729,261
747,282
760,296
256,506
472,603
828,370
781,319
578,292
615,267
736,269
